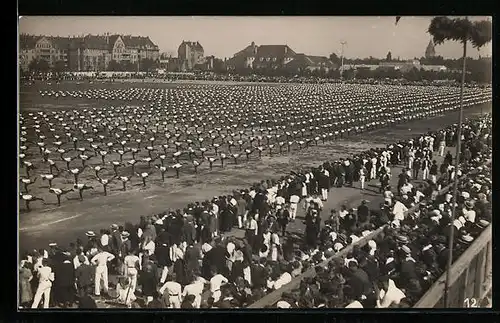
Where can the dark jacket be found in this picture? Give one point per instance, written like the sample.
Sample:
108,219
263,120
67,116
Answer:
236,271
85,275
360,283
259,276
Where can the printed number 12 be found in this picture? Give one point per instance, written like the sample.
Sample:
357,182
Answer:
470,303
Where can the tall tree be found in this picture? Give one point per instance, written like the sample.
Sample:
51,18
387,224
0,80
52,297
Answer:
39,65
478,33
335,59
114,66
59,67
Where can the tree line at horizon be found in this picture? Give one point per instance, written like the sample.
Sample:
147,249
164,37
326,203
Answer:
479,70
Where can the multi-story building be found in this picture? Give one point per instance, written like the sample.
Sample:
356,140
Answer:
190,54
27,53
86,53
50,49
276,57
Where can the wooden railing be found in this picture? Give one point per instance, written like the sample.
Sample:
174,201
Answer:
470,277
275,296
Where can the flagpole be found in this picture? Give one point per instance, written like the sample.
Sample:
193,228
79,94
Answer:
455,184
342,43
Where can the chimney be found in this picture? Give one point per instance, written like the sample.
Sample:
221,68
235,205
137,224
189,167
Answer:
107,38
253,44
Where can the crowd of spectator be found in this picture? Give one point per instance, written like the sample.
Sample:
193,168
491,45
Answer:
186,259
154,76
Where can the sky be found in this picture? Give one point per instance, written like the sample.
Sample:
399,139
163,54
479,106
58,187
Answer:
223,36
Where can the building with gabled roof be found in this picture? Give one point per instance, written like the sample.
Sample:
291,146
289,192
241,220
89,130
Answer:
276,57
48,48
86,52
190,54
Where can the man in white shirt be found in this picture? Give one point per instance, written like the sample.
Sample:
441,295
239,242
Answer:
284,279
104,240
399,211
406,188
215,283
307,202
418,196
131,262
318,201
101,270
45,278
230,247
196,289
280,200
294,201
389,295
76,261
174,290
373,171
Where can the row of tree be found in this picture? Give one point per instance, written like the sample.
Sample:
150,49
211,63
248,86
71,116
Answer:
478,75
415,74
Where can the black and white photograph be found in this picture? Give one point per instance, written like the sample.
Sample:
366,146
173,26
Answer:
239,162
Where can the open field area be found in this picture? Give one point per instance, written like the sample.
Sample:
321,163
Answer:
65,223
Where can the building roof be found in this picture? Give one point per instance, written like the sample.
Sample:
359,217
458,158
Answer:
28,41
278,51
60,42
102,42
95,42
247,51
311,61
320,60
196,46
137,41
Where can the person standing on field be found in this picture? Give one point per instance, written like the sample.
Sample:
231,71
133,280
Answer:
101,270
294,202
362,176
45,279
